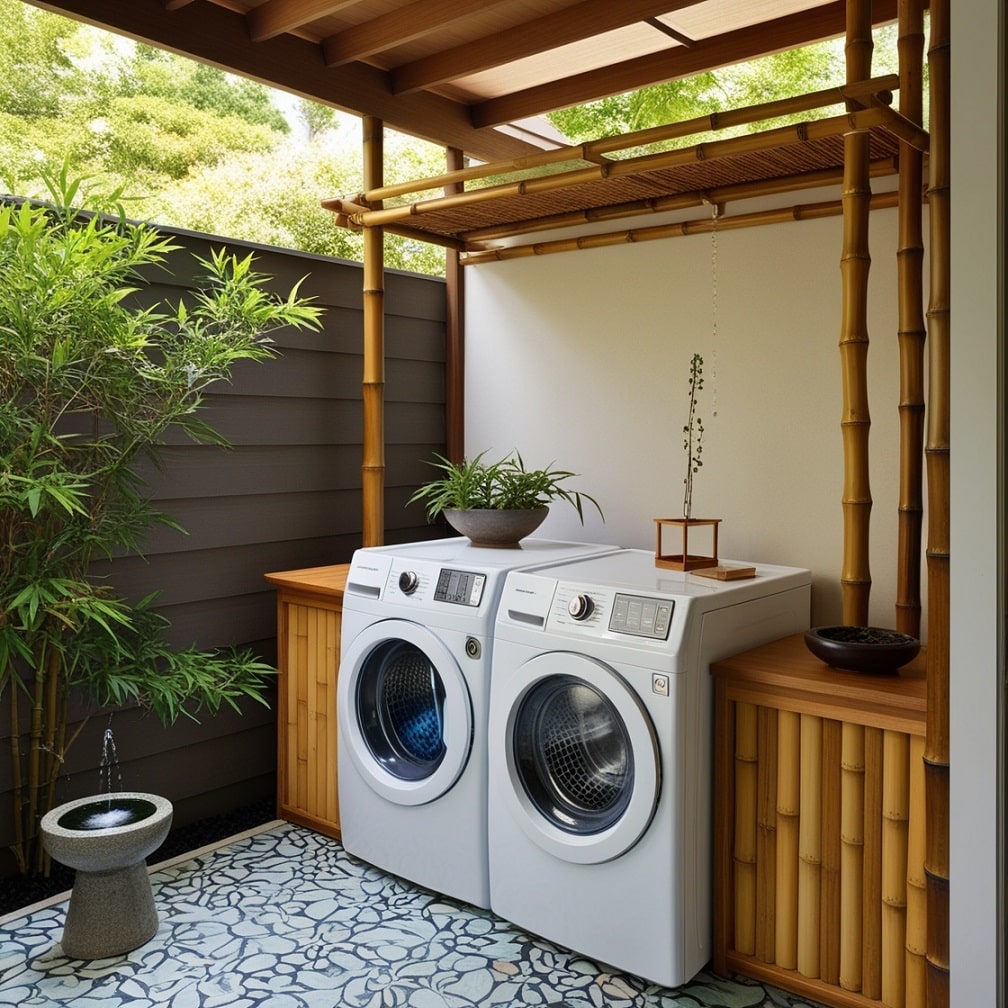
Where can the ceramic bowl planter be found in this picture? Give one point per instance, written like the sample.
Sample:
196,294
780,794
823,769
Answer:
862,649
497,504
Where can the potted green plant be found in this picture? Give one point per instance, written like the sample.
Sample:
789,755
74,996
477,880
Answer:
497,503
88,387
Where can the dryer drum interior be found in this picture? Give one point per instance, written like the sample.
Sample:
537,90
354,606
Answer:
574,755
400,709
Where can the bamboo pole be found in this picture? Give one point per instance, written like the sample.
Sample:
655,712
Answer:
454,336
871,902
910,260
809,844
852,792
766,835
373,388
895,820
744,854
855,260
806,211
830,921
916,923
788,808
857,121
936,757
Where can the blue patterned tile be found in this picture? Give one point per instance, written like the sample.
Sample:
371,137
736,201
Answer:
286,918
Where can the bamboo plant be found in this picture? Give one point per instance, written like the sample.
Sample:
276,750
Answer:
693,431
88,387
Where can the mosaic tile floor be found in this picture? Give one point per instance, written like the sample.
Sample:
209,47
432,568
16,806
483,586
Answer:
284,918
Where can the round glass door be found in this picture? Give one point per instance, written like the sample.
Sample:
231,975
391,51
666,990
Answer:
581,773
573,755
404,711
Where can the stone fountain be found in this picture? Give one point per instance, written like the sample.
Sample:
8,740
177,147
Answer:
106,839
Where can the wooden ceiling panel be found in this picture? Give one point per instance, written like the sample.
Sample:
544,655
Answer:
451,71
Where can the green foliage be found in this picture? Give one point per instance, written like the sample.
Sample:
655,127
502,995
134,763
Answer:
88,386
693,431
502,485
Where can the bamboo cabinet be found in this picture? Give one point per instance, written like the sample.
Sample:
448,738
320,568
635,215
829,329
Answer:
819,827
309,617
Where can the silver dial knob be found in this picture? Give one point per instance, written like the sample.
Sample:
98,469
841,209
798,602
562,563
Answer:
408,582
581,607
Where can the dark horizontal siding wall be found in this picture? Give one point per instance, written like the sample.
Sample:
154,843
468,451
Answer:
286,495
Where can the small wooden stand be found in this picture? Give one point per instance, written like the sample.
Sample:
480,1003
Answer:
684,560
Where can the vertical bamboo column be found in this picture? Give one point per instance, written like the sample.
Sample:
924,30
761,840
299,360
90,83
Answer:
788,792
745,827
936,751
454,332
871,883
895,820
852,791
909,265
766,836
373,388
830,921
809,844
916,924
855,422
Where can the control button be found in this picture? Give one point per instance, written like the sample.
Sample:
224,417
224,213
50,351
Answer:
581,607
472,647
659,684
408,582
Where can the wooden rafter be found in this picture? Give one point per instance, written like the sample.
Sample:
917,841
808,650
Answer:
572,24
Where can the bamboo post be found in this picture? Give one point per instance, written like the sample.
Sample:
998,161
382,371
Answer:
910,278
373,387
830,921
871,902
454,334
916,923
936,756
852,792
744,855
788,791
766,835
809,844
855,260
895,820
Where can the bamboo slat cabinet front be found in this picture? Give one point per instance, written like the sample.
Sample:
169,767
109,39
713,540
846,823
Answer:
309,616
819,827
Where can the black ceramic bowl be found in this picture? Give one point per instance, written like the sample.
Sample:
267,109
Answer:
862,649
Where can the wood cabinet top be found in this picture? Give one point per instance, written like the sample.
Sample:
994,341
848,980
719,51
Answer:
786,675
325,581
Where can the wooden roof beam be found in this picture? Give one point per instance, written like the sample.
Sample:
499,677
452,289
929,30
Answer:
721,50
422,17
572,24
278,16
219,37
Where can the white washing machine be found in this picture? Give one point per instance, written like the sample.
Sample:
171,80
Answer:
601,750
412,699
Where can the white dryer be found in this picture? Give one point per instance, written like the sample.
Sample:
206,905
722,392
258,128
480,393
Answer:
412,697
601,751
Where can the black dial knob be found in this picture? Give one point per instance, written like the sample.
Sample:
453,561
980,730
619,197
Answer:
408,582
581,607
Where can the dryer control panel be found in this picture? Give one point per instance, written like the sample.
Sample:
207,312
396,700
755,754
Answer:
641,616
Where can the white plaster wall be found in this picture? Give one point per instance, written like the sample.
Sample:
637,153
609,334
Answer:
582,358
978,96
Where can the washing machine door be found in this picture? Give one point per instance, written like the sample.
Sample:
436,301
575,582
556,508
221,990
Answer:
582,758
405,713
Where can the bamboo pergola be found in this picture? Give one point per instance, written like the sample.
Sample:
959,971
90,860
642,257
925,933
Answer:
885,784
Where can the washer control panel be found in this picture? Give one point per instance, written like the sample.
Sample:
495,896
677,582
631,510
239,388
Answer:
641,616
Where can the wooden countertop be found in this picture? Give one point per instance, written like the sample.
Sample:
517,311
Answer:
319,581
786,675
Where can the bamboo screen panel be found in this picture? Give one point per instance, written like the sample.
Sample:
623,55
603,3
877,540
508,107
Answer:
820,831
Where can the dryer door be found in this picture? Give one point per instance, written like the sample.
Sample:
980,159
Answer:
581,756
404,711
